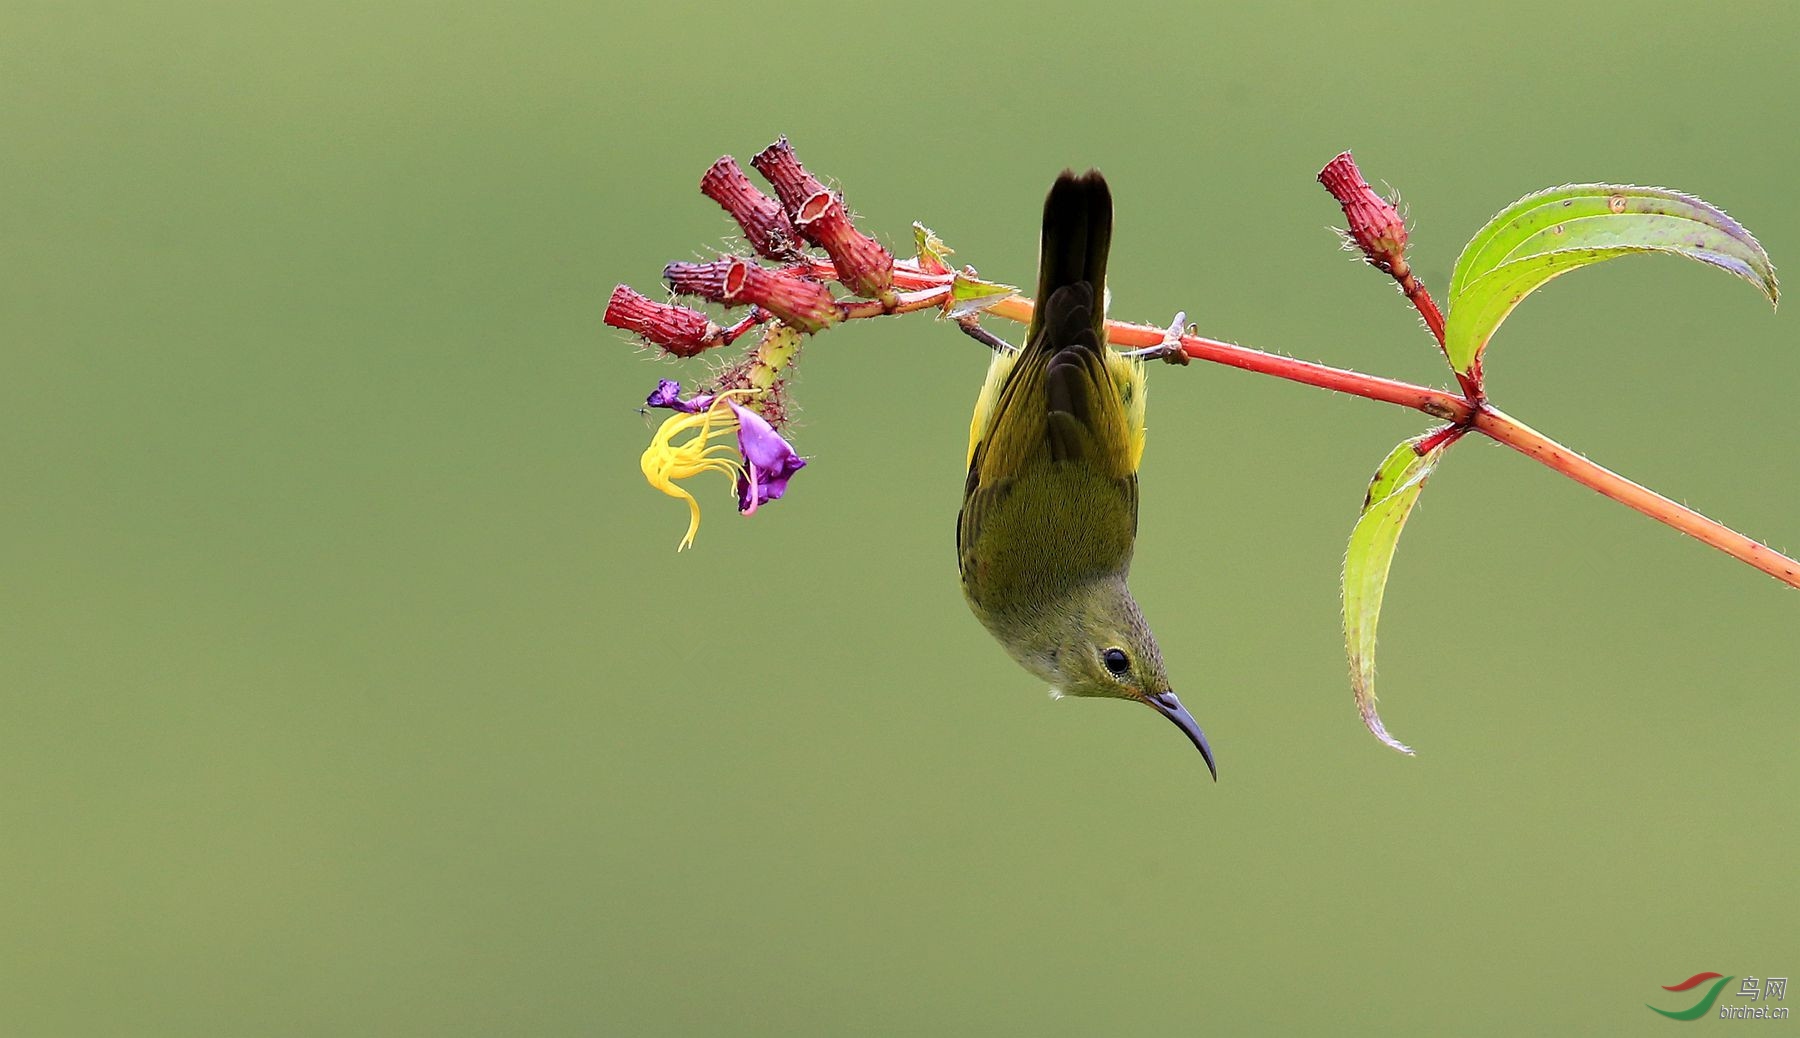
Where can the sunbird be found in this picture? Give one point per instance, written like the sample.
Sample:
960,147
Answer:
1049,510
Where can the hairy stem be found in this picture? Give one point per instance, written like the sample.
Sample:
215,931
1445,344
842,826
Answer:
1531,443
1420,297
1482,417
1435,402
1448,407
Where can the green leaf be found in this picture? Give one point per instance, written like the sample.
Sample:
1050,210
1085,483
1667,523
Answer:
972,295
1542,236
934,255
1392,494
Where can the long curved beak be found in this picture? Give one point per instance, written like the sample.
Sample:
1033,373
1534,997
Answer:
1167,705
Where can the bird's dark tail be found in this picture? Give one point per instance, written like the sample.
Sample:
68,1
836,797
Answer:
1077,235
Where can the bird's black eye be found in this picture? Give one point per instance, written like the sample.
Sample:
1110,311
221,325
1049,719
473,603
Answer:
1116,661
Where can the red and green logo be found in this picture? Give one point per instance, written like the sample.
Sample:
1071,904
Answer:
1700,1008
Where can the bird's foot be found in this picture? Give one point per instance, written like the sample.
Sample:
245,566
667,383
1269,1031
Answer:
1169,350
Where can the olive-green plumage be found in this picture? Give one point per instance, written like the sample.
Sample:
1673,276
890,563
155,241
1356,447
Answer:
1049,511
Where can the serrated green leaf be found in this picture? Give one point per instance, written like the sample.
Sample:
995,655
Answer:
934,255
970,295
1550,233
1392,494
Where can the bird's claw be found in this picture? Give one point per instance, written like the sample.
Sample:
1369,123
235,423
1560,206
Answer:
1169,350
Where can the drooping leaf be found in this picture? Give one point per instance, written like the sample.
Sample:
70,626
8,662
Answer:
972,295
1550,233
1392,494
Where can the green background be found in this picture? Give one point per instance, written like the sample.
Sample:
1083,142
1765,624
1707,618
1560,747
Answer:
351,684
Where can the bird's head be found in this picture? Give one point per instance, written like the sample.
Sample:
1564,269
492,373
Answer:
1105,649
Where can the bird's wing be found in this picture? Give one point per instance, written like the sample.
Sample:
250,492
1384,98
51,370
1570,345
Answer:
1067,398
1074,403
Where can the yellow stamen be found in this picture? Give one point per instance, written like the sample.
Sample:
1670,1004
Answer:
666,461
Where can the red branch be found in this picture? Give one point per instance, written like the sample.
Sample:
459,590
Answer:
1457,411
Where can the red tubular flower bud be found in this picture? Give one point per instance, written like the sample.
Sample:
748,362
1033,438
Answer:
796,301
1375,225
677,329
706,280
765,223
863,265
782,169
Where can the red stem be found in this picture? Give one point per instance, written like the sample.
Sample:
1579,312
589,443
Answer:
1420,297
1448,407
1442,436
1421,300
1434,402
1533,444
756,316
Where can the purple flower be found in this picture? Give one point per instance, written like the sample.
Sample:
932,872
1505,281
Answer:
668,394
769,460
